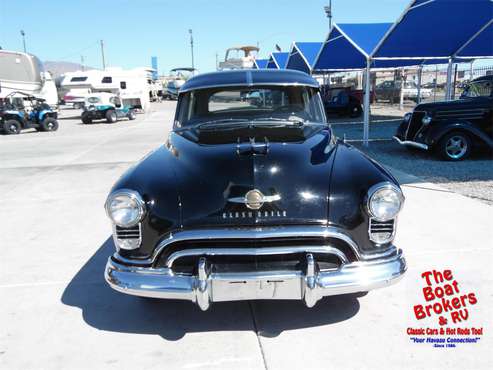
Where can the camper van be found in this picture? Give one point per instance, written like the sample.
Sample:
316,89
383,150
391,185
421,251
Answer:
134,86
24,73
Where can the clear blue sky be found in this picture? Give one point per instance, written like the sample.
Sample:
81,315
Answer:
134,30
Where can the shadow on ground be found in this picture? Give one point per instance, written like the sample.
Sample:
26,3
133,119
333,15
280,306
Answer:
105,309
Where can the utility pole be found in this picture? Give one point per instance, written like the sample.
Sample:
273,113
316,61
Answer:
102,54
23,34
82,62
191,45
217,61
328,12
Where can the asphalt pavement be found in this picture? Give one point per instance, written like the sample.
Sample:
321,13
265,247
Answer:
56,311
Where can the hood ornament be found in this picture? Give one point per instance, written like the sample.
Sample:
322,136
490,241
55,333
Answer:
254,199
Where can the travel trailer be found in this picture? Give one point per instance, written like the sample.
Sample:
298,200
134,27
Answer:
239,57
24,73
134,86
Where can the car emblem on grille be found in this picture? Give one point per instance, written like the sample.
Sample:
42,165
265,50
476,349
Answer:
254,199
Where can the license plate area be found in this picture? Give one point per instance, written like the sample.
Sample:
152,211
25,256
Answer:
228,287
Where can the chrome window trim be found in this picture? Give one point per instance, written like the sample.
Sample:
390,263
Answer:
246,86
265,251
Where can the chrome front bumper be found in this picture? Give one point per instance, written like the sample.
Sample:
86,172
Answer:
411,143
309,285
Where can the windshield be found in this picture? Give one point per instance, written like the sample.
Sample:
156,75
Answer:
290,103
93,100
480,88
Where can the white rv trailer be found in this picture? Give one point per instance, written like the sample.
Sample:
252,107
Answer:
25,73
134,86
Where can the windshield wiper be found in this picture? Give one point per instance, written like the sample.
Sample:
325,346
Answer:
222,123
293,121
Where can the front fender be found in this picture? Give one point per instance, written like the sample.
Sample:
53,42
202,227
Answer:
437,131
352,176
154,179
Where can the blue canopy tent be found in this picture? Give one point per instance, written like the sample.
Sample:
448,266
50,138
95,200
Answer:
436,29
302,56
464,33
277,60
260,63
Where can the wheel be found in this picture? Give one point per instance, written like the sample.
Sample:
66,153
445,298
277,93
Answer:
355,111
131,115
455,146
111,116
77,105
49,124
86,119
12,127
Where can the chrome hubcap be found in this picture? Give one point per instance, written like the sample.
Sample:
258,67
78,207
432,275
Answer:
456,147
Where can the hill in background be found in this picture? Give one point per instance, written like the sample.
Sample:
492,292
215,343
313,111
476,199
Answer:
59,68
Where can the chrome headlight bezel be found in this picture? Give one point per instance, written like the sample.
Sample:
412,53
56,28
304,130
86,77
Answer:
407,116
134,197
426,120
374,190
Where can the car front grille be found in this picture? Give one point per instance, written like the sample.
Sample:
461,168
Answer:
127,237
414,125
277,253
381,229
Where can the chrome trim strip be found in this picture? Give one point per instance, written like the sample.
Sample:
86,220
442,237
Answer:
116,239
326,249
411,143
265,199
307,284
255,233
239,85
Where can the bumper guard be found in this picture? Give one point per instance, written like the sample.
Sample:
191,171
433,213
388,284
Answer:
205,287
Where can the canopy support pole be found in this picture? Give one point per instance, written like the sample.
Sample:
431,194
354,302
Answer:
448,93
420,72
366,128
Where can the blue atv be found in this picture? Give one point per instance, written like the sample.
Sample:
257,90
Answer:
20,111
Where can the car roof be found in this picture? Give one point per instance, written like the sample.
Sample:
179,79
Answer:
249,77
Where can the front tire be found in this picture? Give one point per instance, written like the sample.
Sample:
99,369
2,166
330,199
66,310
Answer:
111,116
49,124
131,115
86,119
455,146
355,111
12,127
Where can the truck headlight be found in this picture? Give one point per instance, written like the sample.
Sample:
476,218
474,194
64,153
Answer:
385,200
125,208
426,119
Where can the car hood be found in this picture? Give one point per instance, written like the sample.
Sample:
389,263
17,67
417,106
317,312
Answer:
213,178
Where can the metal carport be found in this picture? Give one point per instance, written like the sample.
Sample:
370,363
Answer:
302,56
277,60
260,63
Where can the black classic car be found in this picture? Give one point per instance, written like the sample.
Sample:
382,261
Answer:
253,201
452,128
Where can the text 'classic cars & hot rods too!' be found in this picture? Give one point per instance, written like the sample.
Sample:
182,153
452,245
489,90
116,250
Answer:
252,197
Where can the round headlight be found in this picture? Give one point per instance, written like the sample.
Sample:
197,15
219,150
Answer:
385,201
125,208
426,120
407,116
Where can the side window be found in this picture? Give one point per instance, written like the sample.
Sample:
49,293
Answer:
123,85
107,80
